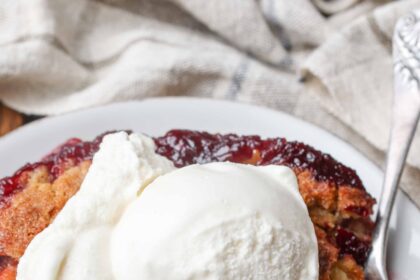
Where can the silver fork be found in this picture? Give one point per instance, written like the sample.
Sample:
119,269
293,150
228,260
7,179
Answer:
406,111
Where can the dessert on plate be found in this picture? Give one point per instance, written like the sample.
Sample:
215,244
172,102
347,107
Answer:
188,204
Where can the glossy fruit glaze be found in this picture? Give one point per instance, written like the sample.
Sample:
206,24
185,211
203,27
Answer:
350,244
184,147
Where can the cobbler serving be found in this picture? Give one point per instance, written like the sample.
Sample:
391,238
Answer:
338,204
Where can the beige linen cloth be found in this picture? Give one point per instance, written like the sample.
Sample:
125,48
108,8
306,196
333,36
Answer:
59,55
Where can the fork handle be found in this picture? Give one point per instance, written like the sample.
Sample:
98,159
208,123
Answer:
405,117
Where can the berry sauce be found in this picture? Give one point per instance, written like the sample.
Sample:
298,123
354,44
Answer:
350,244
184,147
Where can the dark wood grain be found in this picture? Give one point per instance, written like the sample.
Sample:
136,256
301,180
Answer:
9,119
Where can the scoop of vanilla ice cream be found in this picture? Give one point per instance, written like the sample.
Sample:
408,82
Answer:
217,221
213,221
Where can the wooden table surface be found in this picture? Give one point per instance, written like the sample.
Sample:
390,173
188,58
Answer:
9,119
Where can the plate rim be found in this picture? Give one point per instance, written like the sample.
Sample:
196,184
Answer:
48,118
37,122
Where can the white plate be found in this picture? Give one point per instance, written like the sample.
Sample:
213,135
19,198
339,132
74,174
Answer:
156,116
